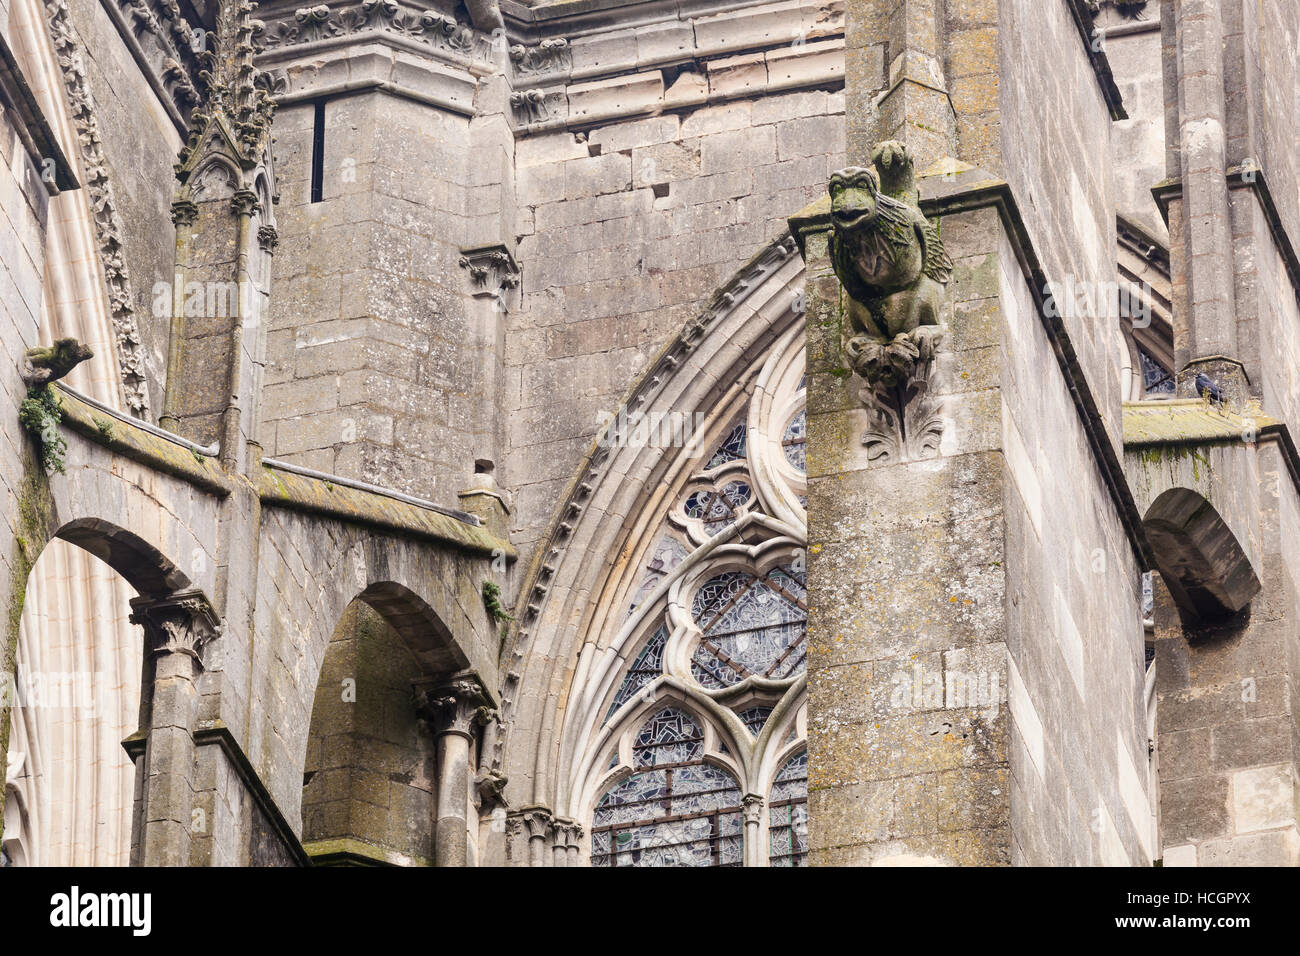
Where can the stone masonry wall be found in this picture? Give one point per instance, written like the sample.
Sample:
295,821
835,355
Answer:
628,228
139,143
1079,763
371,370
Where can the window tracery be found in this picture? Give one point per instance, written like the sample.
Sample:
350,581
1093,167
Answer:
699,720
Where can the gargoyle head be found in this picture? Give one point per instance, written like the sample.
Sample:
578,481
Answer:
855,197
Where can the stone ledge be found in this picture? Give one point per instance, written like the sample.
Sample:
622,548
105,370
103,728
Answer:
131,439
283,489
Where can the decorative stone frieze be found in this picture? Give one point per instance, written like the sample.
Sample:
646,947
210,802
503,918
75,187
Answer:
71,57
549,56
323,22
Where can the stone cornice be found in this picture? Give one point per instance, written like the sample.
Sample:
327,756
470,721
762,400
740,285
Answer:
682,57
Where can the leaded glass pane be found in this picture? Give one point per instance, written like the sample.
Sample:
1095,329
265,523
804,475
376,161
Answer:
788,814
754,718
1154,377
795,441
678,811
649,664
718,509
731,449
750,626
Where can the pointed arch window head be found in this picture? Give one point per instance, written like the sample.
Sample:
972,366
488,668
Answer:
788,814
750,626
676,810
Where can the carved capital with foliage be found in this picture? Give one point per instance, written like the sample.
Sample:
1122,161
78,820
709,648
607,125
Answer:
180,623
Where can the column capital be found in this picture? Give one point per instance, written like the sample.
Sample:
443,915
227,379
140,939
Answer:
183,622
753,807
538,820
454,706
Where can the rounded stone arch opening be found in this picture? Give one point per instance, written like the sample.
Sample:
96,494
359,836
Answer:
79,668
369,787
1204,566
146,568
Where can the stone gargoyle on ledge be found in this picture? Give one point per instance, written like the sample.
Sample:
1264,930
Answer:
893,268
892,264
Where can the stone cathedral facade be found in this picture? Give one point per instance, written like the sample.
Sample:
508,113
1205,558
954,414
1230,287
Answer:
650,432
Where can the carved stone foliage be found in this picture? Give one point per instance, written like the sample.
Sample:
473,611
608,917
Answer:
549,56
492,273
456,707
70,55
531,106
892,264
905,421
322,22
170,45
179,623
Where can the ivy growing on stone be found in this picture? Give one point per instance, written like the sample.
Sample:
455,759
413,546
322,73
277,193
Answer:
40,415
492,601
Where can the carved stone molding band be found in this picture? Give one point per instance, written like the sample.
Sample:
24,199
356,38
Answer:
322,22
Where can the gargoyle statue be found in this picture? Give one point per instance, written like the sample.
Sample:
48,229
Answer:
51,363
892,264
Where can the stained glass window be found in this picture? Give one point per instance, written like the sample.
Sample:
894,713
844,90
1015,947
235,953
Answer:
731,449
649,664
754,718
795,441
718,509
676,810
668,553
750,625
788,814
1155,377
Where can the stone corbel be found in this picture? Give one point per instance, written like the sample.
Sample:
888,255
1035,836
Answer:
180,623
493,273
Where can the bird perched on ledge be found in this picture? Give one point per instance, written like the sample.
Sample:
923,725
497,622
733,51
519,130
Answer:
51,363
1206,388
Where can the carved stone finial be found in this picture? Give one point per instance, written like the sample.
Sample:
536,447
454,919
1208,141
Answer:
893,266
179,623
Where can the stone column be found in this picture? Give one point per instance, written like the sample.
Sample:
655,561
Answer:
753,804
538,822
563,829
454,710
1200,220
177,627
575,845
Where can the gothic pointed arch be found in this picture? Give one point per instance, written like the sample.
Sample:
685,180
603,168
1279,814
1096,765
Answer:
672,577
